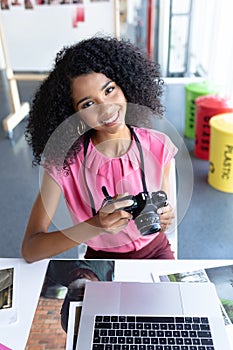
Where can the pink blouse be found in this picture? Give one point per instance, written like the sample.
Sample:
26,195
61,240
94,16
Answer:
118,175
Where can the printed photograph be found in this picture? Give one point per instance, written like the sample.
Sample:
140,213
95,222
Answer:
222,277
6,288
64,284
190,276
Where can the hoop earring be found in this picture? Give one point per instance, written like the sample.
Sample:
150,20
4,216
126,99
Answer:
81,128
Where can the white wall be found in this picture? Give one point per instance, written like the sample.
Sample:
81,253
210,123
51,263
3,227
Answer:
33,37
2,63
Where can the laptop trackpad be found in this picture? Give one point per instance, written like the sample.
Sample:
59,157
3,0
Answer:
150,298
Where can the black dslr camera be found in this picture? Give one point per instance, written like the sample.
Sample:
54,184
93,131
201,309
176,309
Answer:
144,210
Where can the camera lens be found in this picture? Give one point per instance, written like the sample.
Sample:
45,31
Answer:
148,222
144,211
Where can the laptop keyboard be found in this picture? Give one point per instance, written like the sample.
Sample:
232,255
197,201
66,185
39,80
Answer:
151,333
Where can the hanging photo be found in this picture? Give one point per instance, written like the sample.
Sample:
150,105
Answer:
16,3
5,5
28,5
79,16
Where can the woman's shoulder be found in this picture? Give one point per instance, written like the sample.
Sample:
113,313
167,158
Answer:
155,140
150,134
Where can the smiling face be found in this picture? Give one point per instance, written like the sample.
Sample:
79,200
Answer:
100,102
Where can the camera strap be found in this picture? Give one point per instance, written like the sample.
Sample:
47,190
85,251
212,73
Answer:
138,143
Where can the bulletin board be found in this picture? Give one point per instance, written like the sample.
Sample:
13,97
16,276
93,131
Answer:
33,31
34,34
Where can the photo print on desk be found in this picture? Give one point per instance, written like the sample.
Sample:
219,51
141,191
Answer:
221,276
8,296
64,284
6,288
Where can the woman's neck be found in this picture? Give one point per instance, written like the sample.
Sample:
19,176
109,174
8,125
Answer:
112,145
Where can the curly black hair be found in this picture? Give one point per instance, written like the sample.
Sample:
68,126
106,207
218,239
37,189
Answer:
118,59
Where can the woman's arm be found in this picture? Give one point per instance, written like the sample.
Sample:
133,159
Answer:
39,244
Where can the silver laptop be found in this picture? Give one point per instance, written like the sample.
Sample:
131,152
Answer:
151,316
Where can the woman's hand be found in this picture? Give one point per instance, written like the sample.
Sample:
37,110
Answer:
166,216
112,217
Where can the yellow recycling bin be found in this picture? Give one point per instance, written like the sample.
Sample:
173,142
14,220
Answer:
220,174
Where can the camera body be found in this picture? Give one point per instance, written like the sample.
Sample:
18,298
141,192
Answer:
144,210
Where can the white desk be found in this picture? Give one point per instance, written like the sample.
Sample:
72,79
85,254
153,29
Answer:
29,280
31,277
141,270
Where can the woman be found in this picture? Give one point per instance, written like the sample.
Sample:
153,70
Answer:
82,130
